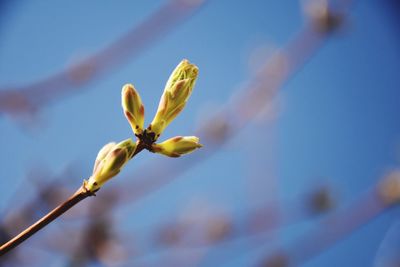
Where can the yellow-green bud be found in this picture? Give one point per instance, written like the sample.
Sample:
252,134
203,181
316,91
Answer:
109,162
133,108
103,153
177,146
176,93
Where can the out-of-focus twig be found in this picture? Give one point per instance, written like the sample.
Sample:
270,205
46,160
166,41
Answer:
201,230
113,156
338,225
247,104
49,194
97,240
78,196
118,155
243,106
27,99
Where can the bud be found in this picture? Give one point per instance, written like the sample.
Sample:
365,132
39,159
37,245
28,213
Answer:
176,93
102,154
177,146
133,108
109,162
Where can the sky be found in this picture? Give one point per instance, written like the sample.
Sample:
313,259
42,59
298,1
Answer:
335,121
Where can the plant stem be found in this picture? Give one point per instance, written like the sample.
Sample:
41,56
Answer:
79,195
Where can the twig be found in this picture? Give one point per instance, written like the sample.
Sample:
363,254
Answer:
78,196
113,156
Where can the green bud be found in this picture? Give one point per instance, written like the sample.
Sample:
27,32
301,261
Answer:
177,146
109,162
133,108
176,93
102,154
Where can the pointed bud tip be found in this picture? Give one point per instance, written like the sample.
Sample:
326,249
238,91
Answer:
127,88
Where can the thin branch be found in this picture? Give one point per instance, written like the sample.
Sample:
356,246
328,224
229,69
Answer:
78,196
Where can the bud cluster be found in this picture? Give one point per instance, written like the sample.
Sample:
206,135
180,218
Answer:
112,157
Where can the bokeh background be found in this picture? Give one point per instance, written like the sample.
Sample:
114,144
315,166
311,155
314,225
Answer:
290,174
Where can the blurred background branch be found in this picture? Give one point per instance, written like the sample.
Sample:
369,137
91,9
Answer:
345,127
28,99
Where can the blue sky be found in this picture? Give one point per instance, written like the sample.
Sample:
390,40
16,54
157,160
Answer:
336,120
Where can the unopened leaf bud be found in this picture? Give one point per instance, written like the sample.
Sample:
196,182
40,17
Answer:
109,162
176,93
102,154
133,108
177,146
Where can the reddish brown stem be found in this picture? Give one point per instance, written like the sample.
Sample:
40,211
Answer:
79,195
